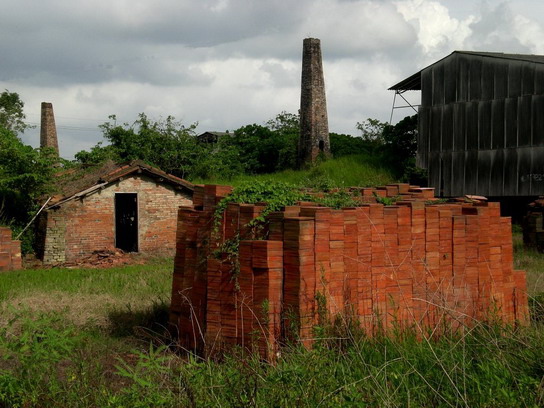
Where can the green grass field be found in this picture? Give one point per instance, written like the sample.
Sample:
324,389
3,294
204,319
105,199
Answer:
96,338
357,170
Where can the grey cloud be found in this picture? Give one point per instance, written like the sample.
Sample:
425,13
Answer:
129,56
494,31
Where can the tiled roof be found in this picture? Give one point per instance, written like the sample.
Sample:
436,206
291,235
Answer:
75,182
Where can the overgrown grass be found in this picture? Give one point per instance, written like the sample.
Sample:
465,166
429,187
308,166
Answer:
346,171
110,299
48,363
119,356
134,280
531,261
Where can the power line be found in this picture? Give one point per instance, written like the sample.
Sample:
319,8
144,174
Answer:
71,118
70,127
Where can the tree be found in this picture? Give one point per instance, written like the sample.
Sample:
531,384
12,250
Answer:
400,147
372,130
345,145
166,144
285,122
25,177
98,154
11,112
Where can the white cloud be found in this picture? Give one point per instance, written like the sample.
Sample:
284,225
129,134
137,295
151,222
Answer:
437,32
529,33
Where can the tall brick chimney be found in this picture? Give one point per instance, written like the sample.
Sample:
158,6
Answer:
314,125
48,130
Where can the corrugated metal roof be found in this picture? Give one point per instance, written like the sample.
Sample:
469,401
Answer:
413,82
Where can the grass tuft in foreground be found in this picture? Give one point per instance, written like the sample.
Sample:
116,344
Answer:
49,363
96,338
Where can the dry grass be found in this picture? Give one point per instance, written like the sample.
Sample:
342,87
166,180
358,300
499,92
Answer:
532,262
89,310
112,301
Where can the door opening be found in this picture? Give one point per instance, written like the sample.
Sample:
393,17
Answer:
321,145
126,221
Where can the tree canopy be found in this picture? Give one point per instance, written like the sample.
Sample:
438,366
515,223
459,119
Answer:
11,112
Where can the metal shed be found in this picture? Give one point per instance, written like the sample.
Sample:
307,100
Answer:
481,123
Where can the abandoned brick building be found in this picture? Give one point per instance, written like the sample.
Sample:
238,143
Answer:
132,207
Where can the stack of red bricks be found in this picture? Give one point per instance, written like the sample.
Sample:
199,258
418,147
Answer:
409,265
10,251
399,191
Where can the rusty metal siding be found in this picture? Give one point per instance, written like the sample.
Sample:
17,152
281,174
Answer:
438,84
510,172
524,169
435,164
524,121
423,137
427,87
472,125
497,174
462,78
459,127
537,113
484,172
471,172
458,174
497,124
481,126
527,78
511,122
514,79
447,128
450,67
488,80
475,79
435,142
500,81
484,125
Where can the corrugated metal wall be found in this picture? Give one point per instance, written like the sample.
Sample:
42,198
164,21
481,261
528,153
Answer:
481,126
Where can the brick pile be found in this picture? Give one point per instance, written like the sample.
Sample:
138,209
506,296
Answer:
10,251
411,265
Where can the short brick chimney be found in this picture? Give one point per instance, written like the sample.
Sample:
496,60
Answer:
48,130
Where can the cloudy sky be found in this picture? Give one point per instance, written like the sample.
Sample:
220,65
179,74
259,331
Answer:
228,63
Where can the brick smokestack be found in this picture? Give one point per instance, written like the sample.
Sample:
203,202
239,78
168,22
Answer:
314,125
48,130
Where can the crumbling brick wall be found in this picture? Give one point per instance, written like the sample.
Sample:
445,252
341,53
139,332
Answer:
10,251
415,264
80,226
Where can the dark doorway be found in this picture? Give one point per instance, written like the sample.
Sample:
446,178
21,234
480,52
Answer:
321,145
126,221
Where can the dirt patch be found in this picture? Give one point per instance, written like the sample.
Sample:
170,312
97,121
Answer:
105,258
89,310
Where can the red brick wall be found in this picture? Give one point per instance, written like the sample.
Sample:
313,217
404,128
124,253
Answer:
10,251
78,227
412,265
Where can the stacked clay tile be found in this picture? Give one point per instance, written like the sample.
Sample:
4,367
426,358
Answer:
411,265
10,251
